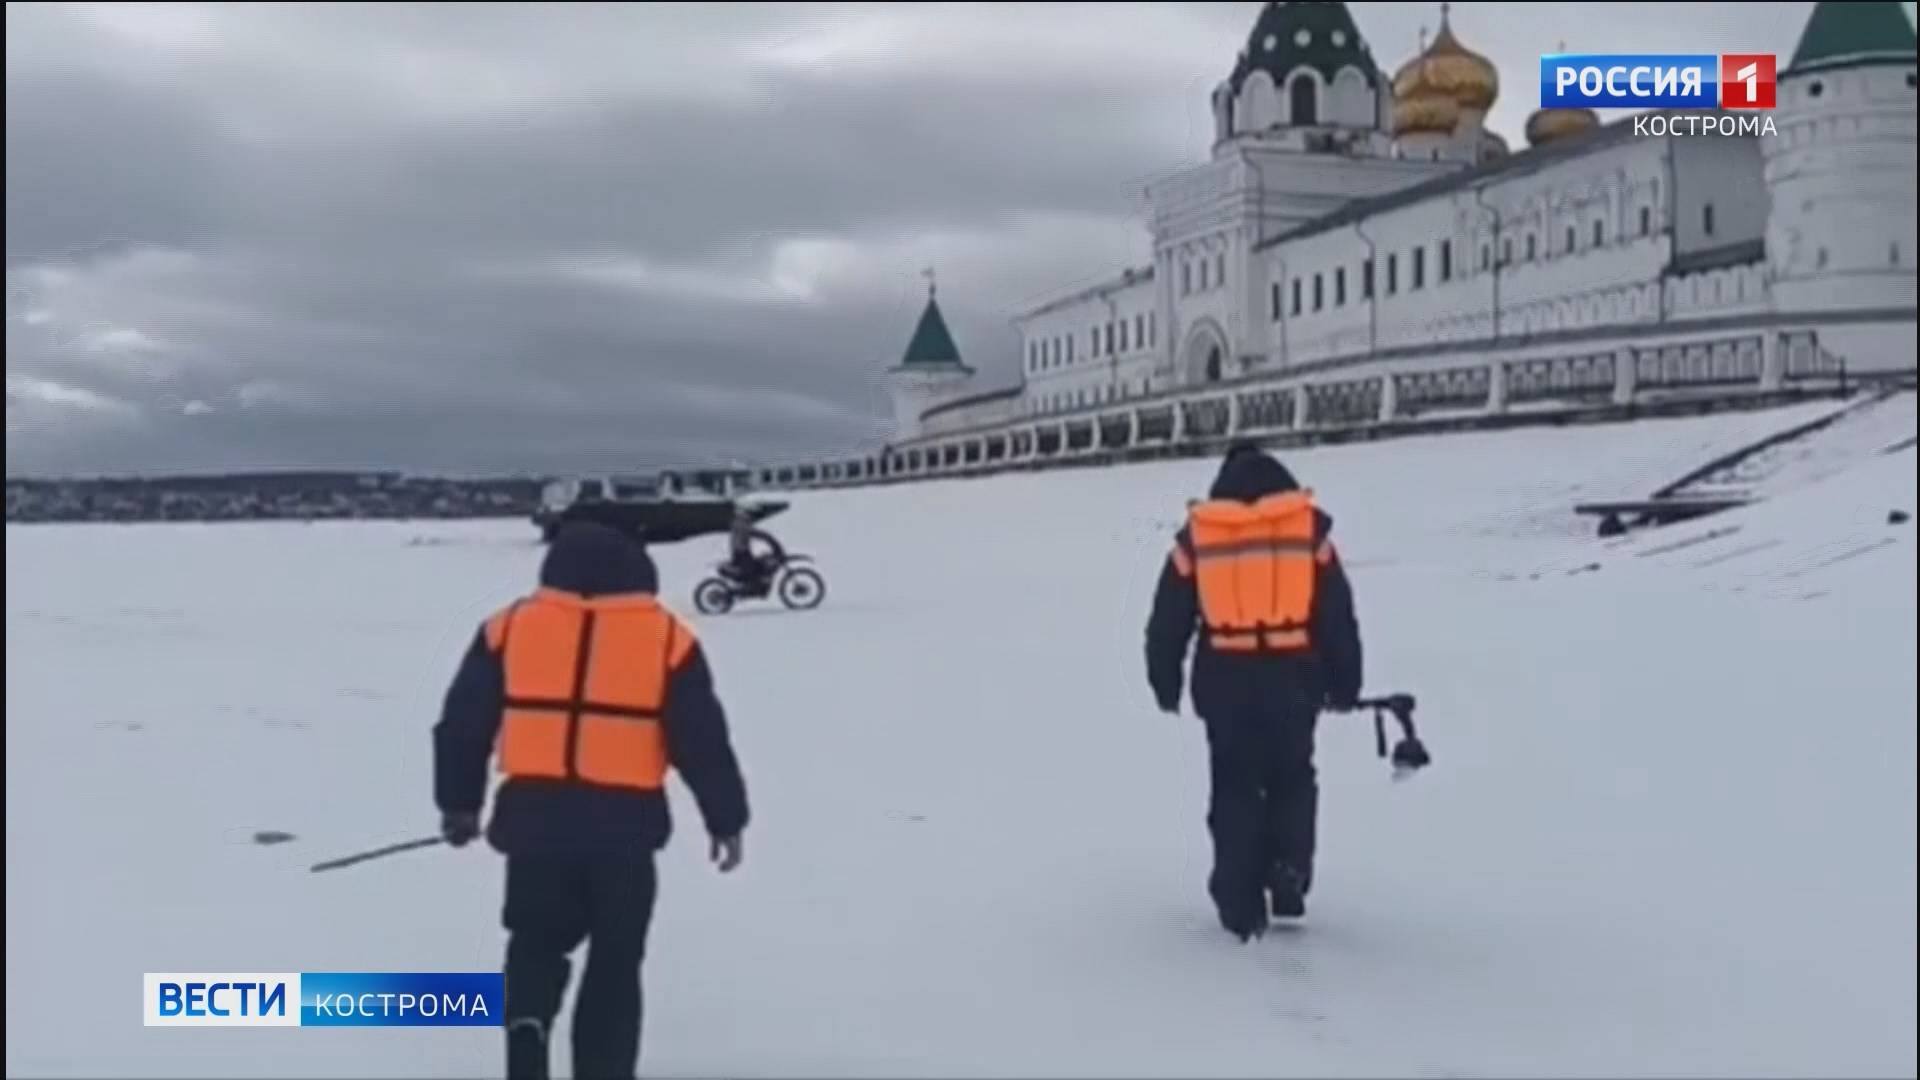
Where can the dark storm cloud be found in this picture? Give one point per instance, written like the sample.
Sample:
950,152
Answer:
555,236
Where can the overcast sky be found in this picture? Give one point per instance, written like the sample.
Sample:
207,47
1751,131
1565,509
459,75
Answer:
545,238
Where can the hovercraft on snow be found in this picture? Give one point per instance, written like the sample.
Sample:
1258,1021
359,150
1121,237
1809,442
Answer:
651,510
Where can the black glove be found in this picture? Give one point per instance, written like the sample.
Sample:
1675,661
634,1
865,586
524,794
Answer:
1343,699
1167,699
727,852
459,829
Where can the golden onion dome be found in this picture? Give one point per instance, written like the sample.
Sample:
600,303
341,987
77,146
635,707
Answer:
1450,68
1428,111
1546,125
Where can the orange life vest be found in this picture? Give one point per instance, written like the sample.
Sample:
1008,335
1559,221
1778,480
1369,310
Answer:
586,683
1254,566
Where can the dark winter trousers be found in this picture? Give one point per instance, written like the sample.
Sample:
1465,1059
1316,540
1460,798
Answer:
1263,805
554,902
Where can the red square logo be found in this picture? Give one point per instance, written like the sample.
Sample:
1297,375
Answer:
1746,80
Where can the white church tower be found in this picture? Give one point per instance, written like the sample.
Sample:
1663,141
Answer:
1302,125
1840,168
929,373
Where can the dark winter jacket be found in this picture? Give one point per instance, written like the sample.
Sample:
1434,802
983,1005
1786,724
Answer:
1233,684
549,815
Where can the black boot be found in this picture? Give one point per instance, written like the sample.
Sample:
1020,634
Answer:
1241,913
1287,891
526,1050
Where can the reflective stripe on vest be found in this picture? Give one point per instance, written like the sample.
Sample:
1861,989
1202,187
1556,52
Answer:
586,683
1254,567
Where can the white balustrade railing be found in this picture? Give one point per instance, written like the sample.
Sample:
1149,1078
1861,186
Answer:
1605,375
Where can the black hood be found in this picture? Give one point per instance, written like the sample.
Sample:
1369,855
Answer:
593,560
1250,474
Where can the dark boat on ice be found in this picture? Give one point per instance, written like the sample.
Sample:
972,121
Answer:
652,511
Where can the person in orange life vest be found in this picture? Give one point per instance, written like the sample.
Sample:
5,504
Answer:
1255,577
587,691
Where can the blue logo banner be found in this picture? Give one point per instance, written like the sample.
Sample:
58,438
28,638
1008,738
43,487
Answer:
402,999
1630,80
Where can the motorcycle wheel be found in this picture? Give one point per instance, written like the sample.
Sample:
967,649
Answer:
713,597
802,589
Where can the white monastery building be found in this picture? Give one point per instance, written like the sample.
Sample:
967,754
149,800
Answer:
1361,248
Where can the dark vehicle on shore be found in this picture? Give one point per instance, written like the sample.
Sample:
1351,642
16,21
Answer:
652,510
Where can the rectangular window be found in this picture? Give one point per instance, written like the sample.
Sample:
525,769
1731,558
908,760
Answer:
1319,292
1486,257
1219,270
1113,339
1069,350
1393,274
1139,331
1646,220
1532,248
1296,296
1273,302
1706,219
1573,240
1123,335
1339,286
1599,233
1446,260
1506,252
1153,328
1366,279
1186,278
1419,268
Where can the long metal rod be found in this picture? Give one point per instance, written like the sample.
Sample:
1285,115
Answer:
376,853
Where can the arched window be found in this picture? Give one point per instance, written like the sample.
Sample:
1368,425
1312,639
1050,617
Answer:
1305,101
1258,107
1213,364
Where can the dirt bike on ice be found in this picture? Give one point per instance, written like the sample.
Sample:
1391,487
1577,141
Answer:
790,577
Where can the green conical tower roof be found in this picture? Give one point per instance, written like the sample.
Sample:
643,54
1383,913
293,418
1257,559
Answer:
932,343
1846,34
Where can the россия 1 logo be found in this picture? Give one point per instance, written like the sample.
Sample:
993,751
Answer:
1657,81
324,999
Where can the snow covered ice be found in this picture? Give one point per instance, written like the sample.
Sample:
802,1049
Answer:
1669,829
